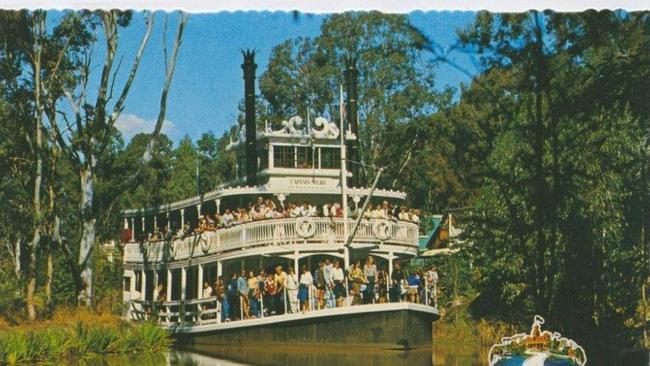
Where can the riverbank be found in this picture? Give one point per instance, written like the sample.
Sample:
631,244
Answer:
459,338
78,333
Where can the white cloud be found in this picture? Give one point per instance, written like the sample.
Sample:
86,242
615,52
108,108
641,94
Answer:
130,125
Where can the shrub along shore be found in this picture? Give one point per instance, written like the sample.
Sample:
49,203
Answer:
79,334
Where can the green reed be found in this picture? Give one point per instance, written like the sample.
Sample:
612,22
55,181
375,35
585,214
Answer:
25,345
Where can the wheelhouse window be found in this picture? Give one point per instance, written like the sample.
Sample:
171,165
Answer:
305,157
283,157
330,158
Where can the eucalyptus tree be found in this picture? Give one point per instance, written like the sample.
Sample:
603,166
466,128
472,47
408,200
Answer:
555,124
84,131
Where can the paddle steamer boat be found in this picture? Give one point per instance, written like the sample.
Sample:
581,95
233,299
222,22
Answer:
304,161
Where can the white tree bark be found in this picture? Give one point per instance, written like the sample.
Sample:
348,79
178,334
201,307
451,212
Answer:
87,235
39,30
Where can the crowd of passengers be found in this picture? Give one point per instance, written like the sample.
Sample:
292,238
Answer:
266,209
252,294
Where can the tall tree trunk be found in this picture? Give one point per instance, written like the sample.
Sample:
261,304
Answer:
17,259
50,275
39,26
87,235
54,229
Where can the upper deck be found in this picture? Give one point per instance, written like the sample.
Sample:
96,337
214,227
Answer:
274,237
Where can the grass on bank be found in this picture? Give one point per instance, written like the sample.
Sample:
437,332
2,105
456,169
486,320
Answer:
78,333
460,330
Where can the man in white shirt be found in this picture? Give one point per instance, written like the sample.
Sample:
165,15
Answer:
207,290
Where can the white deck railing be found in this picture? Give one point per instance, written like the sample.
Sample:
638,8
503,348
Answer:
273,232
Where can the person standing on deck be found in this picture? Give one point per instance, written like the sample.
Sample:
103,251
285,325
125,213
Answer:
338,277
370,273
280,285
356,279
222,296
397,281
292,290
261,277
253,295
242,291
432,284
233,298
270,291
319,282
329,284
306,281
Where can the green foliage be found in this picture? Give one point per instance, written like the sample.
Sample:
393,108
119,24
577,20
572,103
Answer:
80,340
557,220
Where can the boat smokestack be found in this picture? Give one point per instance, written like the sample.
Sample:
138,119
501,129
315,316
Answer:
249,67
351,82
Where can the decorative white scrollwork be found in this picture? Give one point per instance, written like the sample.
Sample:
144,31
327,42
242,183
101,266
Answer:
292,127
305,227
382,229
327,129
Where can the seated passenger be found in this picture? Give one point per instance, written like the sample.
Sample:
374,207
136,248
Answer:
326,210
307,210
279,213
244,216
227,218
256,213
367,214
353,210
415,216
384,210
336,210
403,214
376,213
294,210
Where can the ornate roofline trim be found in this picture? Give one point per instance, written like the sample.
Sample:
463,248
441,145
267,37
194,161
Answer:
246,190
321,129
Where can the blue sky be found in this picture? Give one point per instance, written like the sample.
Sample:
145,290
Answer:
208,82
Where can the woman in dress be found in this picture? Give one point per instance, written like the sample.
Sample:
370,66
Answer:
306,281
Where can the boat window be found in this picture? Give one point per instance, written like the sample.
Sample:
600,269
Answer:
330,158
283,157
305,157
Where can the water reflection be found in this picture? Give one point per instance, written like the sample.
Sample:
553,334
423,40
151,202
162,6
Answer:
274,355
215,356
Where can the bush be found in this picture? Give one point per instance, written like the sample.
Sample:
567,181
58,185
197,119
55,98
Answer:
80,334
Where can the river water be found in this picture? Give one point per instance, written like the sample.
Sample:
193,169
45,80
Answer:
316,357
